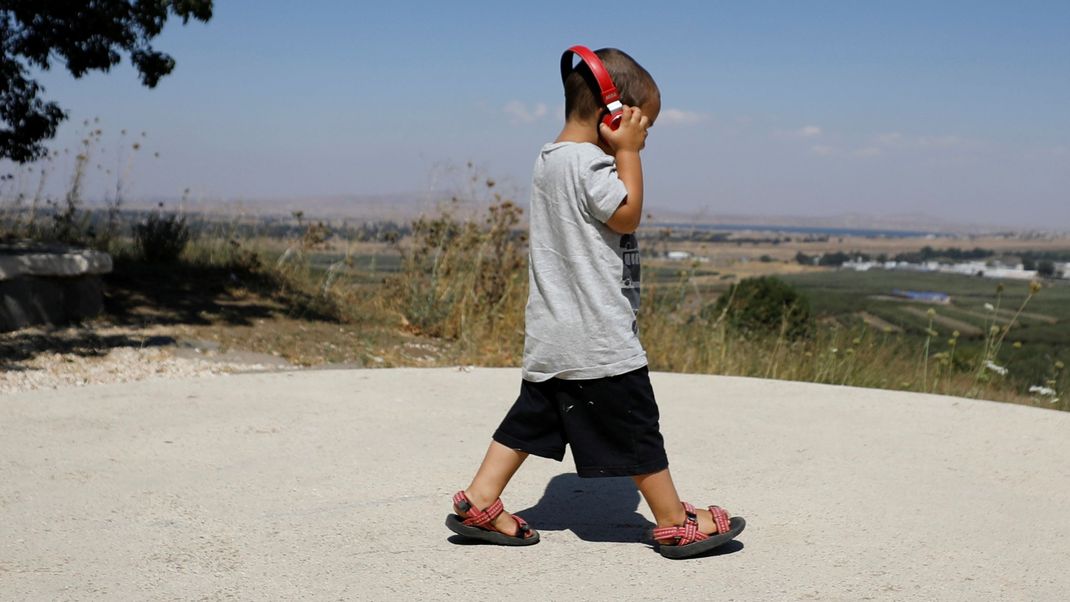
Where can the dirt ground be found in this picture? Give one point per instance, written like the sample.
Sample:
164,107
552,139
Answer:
180,322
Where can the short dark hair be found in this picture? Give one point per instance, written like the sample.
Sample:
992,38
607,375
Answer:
635,84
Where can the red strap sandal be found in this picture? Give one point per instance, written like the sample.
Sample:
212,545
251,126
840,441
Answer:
688,541
474,523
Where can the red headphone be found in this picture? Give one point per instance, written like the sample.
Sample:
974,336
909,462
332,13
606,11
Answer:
610,96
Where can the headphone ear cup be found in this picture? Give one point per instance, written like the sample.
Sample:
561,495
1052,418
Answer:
612,120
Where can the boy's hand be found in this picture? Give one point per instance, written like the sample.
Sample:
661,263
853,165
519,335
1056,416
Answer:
631,135
625,143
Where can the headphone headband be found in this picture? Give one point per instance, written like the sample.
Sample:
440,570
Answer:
608,91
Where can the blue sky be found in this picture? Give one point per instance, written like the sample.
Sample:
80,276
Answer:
952,109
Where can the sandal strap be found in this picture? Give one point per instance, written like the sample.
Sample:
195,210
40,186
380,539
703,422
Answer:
474,516
522,527
684,534
720,518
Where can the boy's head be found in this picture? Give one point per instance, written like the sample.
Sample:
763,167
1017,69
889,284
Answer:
635,85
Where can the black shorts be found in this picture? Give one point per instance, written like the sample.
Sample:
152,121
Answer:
610,423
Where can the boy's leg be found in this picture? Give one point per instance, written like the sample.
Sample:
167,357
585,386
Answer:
499,465
660,494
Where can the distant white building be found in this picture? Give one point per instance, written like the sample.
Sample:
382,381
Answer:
967,268
1015,273
860,266
679,255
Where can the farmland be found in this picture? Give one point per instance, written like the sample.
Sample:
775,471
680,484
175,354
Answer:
1041,330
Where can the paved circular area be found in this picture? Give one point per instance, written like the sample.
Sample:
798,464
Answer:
334,485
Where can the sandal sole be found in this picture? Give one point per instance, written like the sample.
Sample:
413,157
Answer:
736,525
456,524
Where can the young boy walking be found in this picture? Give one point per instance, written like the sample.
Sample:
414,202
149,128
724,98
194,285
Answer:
585,381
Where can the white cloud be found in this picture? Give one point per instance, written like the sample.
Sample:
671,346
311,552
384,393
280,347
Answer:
883,143
824,150
939,141
521,113
680,117
898,140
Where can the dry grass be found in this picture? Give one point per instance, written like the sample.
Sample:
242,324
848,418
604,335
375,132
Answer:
465,284
459,296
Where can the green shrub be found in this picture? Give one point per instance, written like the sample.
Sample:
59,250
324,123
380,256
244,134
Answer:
1046,268
765,305
161,239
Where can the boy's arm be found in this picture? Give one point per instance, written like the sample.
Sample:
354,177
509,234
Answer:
626,142
625,219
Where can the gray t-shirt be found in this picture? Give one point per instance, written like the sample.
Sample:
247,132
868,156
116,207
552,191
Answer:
584,277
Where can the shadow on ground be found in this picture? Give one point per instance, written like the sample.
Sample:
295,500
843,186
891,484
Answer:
183,293
138,295
595,510
27,344
604,510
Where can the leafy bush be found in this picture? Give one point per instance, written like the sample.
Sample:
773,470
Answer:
834,259
766,305
1046,268
161,239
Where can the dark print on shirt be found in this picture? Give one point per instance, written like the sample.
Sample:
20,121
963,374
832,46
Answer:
629,284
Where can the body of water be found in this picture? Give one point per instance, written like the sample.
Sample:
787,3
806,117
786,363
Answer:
810,230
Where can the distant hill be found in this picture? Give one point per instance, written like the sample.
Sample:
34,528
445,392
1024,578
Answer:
407,206
385,207
907,221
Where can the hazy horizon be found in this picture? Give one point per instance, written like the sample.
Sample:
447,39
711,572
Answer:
955,110
406,206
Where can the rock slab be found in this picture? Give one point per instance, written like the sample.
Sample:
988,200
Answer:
49,283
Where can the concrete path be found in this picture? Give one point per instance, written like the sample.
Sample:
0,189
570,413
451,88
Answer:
333,485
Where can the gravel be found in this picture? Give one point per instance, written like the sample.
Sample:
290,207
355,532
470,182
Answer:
29,359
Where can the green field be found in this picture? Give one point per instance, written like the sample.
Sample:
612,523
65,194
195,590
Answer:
1042,329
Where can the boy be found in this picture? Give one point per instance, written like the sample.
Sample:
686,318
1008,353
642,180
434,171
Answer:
585,380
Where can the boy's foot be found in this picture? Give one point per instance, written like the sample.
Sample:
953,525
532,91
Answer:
698,532
503,523
492,524
706,524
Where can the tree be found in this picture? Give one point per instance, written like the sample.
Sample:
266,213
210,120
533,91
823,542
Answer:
834,259
764,305
84,36
1046,268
